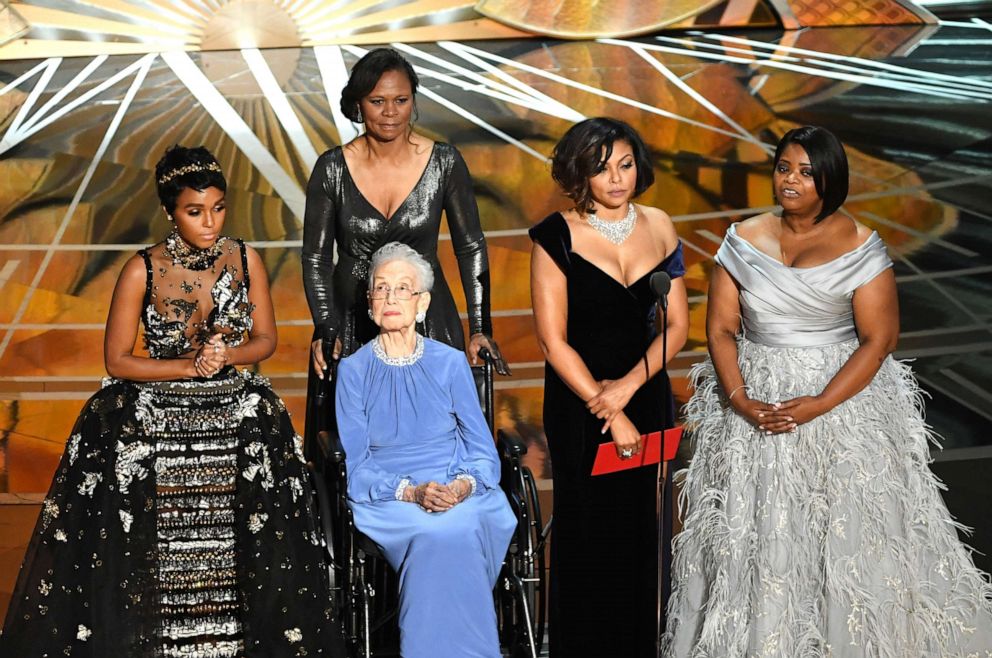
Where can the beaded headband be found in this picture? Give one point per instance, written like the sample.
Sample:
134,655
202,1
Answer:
189,169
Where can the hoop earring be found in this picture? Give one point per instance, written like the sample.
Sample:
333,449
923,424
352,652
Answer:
421,316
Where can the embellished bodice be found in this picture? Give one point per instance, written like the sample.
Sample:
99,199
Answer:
184,307
784,306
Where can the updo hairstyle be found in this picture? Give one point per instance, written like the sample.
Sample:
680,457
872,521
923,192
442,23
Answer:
183,167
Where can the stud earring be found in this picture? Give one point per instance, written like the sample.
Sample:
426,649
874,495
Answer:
421,316
171,218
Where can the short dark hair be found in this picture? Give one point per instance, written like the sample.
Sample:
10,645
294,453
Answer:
828,161
183,167
365,76
583,151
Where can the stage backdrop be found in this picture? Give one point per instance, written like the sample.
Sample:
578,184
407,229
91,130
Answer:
81,135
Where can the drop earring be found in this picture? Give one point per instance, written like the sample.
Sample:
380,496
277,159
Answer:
421,316
370,315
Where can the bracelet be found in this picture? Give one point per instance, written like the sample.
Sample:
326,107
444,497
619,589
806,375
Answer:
734,392
471,480
404,483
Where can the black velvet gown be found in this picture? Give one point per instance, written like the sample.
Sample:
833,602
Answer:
604,543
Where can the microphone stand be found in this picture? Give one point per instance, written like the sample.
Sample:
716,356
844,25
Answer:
662,511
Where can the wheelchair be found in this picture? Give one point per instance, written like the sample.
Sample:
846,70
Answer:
365,588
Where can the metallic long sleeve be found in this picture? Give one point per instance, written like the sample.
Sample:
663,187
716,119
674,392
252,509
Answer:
469,245
318,247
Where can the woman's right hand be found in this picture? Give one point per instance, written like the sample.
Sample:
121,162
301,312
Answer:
317,355
768,418
625,436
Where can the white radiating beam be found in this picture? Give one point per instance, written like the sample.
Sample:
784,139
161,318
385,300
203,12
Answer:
334,73
15,130
15,83
280,105
240,132
18,133
144,64
599,92
910,75
66,90
565,111
866,63
753,60
699,98
526,97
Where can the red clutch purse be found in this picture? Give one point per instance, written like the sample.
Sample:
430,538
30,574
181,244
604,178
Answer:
607,460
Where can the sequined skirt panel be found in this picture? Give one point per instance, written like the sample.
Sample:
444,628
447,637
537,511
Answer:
196,465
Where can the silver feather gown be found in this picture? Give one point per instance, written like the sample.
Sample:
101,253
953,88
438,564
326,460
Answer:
833,540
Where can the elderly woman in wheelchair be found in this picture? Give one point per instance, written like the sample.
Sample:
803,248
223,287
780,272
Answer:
423,473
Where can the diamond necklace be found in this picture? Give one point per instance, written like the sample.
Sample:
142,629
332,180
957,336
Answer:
616,231
190,257
408,360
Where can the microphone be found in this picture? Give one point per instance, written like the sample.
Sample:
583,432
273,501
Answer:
660,284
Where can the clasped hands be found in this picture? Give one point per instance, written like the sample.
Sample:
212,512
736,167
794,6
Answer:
437,497
211,357
779,417
608,405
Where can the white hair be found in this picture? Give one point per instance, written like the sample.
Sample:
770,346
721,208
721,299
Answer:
398,251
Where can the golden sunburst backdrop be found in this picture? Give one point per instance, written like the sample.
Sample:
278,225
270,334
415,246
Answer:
91,93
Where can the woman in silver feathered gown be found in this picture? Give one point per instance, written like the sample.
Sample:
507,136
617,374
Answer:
812,523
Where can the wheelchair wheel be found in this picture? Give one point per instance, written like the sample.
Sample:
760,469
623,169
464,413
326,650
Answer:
522,589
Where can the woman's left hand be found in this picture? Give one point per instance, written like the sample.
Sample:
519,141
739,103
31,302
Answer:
461,488
803,409
479,341
612,399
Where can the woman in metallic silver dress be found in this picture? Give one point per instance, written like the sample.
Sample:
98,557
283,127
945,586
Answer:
813,526
180,522
390,184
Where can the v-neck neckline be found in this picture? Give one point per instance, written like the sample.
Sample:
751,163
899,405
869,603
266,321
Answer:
420,179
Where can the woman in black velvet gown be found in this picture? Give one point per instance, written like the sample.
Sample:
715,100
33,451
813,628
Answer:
595,322
389,185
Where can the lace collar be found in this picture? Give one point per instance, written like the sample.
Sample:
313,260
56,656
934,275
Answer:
409,360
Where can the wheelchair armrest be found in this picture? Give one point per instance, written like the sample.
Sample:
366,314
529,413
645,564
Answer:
330,446
510,444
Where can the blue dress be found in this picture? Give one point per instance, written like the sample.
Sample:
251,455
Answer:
417,420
